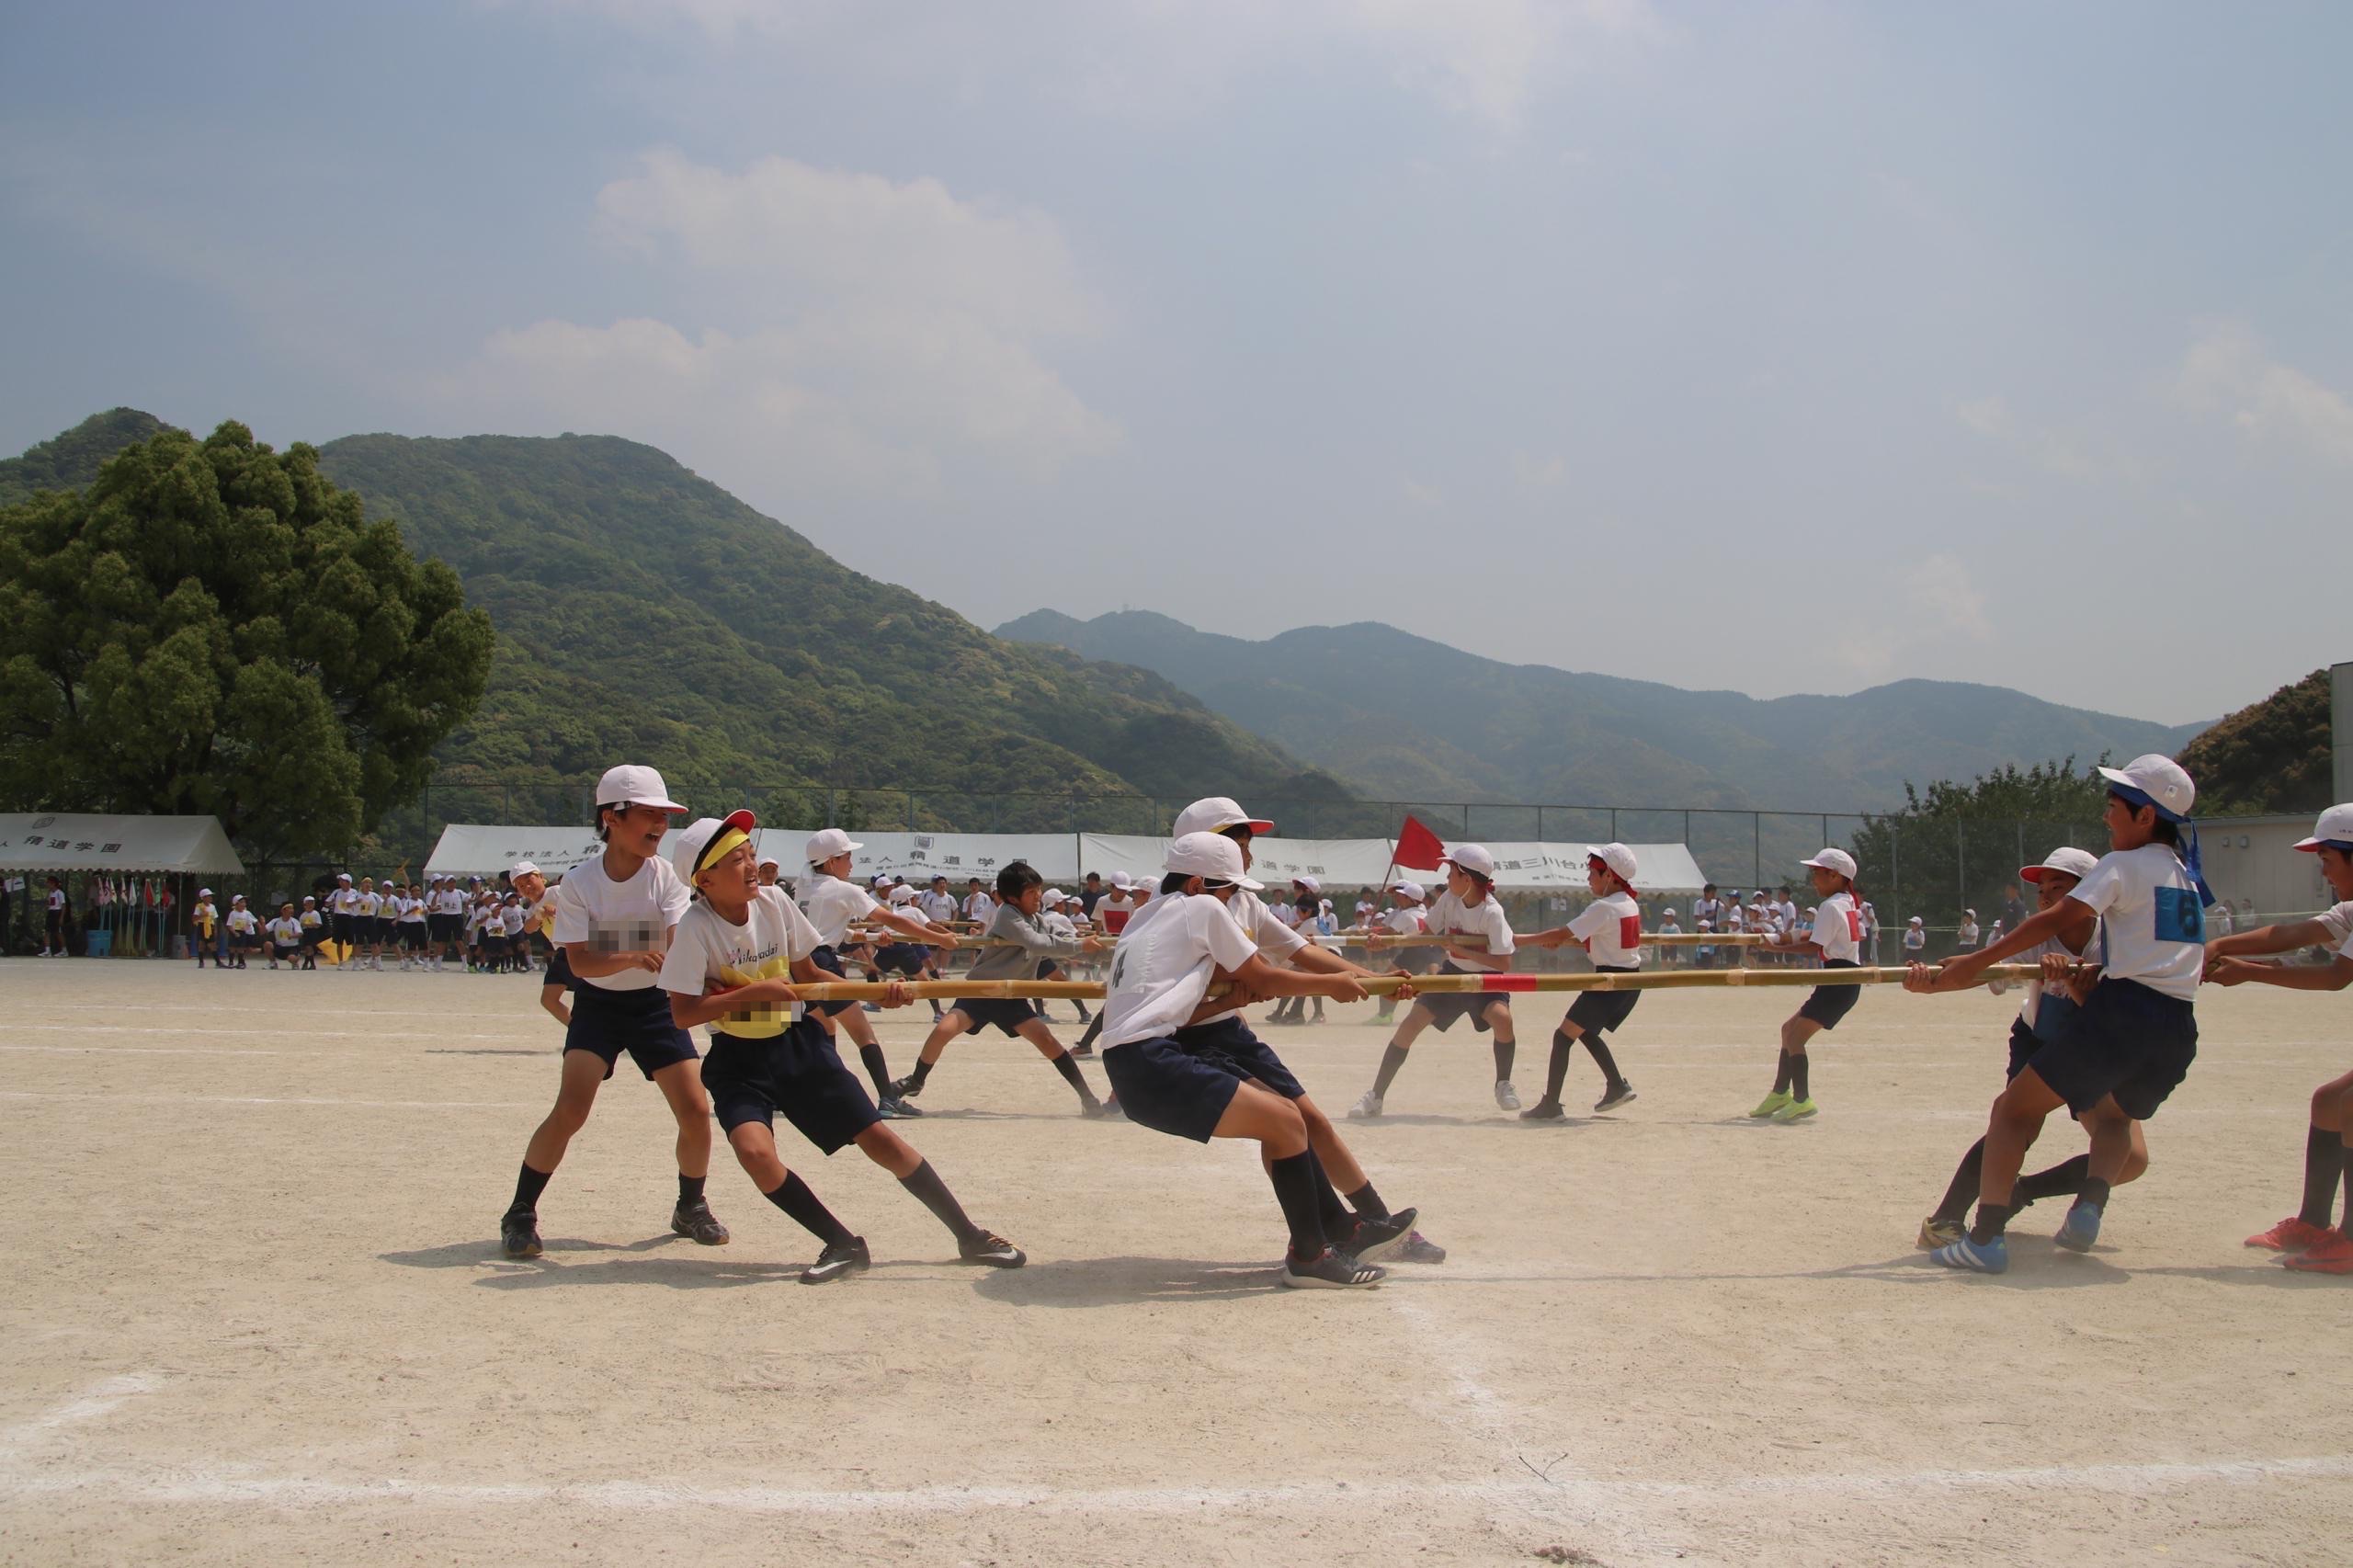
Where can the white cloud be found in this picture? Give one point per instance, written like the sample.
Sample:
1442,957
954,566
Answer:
2227,372
1986,415
1944,599
1538,473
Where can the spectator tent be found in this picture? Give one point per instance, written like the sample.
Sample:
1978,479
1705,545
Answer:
56,841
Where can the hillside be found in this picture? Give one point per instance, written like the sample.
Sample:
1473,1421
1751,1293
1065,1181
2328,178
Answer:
2272,755
1398,716
71,460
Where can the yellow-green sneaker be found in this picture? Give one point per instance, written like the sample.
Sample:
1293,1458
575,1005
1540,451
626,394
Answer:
1771,1104
1935,1232
1796,1111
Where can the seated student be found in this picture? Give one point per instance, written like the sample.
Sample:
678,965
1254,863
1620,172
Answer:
285,937
732,965
1160,982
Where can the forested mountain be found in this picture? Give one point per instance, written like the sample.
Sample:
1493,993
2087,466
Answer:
71,460
1398,716
2272,755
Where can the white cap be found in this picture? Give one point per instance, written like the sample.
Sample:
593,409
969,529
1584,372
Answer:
204,892
2162,780
1837,861
768,860
1617,856
1216,814
1915,920
2336,826
879,880
1471,857
1667,911
1052,896
339,876
1411,889
902,894
1326,904
523,868
826,842
2075,863
686,848
1309,883
307,899
634,784
1209,854
1121,881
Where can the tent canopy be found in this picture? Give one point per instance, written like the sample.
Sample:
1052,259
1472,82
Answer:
60,841
1363,862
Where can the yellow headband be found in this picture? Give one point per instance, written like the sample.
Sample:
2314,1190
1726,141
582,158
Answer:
719,848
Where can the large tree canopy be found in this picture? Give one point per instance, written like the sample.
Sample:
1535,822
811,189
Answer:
216,629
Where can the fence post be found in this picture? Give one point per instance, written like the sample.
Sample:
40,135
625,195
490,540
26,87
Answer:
911,811
1613,824
1540,824
1961,863
1826,830
829,805
1756,848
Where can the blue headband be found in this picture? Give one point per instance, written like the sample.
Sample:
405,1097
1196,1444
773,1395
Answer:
2142,798
2190,860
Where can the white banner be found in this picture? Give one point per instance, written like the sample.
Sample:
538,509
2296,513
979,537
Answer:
53,841
1351,863
469,850
919,857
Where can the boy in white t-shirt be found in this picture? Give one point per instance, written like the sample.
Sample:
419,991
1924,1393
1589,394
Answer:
832,902
285,937
1160,979
732,965
244,931
1837,941
2305,1239
1468,908
614,917
1610,931
1112,910
1670,954
1406,916
2135,1035
1298,912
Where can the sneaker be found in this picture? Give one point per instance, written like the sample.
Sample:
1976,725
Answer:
2290,1234
696,1221
1796,1111
840,1258
992,1249
1770,1104
904,1088
1367,1109
1506,1097
895,1108
873,1006
2334,1256
1332,1271
1111,1111
1935,1232
1993,1258
1614,1095
1096,1111
518,1233
2080,1228
1418,1248
1082,1053
1376,1239
1546,1109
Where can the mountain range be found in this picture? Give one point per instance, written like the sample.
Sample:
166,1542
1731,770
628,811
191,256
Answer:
1400,717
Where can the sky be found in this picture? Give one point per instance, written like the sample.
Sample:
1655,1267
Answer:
1781,348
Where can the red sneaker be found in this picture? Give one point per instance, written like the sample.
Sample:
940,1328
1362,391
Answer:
2290,1234
2334,1256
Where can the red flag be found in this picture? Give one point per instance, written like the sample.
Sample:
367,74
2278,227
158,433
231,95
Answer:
1418,847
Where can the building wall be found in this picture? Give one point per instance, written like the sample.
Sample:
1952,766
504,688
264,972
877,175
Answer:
2256,857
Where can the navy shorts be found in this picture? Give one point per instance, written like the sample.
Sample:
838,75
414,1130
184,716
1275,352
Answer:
1162,1085
1445,1007
1228,1043
2126,1040
1008,1014
347,928
560,971
606,1023
797,1073
2024,1045
1598,1012
824,958
1828,1003
444,927
288,949
902,958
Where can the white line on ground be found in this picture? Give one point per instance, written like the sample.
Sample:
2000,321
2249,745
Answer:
244,1034
259,1099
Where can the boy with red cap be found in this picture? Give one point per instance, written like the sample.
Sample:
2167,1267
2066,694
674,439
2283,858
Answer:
1610,931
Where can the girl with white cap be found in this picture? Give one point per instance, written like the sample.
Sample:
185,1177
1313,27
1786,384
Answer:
1406,917
2049,1002
2305,1237
1610,931
1468,908
1837,941
2133,1038
614,917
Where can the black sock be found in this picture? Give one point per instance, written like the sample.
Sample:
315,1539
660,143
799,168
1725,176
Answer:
2064,1179
1798,1066
877,1069
923,1071
793,1196
2324,1164
689,1188
1505,1051
2094,1192
1337,1222
1083,1014
1602,1059
1391,1059
1991,1220
925,1183
1557,1072
1782,1071
528,1188
1295,1179
1094,1028
1963,1190
1071,1076
1368,1204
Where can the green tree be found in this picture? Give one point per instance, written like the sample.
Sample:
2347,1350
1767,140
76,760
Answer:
1959,845
2272,757
215,629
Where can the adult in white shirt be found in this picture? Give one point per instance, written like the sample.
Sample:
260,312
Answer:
1468,908
938,905
1610,931
2133,1039
614,916
1160,979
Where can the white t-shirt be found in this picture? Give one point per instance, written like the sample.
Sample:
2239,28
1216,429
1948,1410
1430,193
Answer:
1059,924
980,908
285,931
1451,916
831,903
2338,923
1274,940
938,907
1407,920
2031,1008
449,901
2151,929
707,946
1162,967
1916,938
243,923
412,912
634,917
57,898
1838,929
1611,929
513,918
344,899
371,904
1112,910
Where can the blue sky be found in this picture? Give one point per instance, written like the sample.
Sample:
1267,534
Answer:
1781,348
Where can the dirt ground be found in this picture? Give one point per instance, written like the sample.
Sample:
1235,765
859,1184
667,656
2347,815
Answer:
258,1313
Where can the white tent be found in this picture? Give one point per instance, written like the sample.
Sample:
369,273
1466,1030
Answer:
919,857
469,850
1362,862
56,841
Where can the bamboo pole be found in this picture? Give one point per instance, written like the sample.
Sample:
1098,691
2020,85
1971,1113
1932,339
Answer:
1376,941
1426,984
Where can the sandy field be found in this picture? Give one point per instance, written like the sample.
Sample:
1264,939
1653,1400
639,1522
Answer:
258,1314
